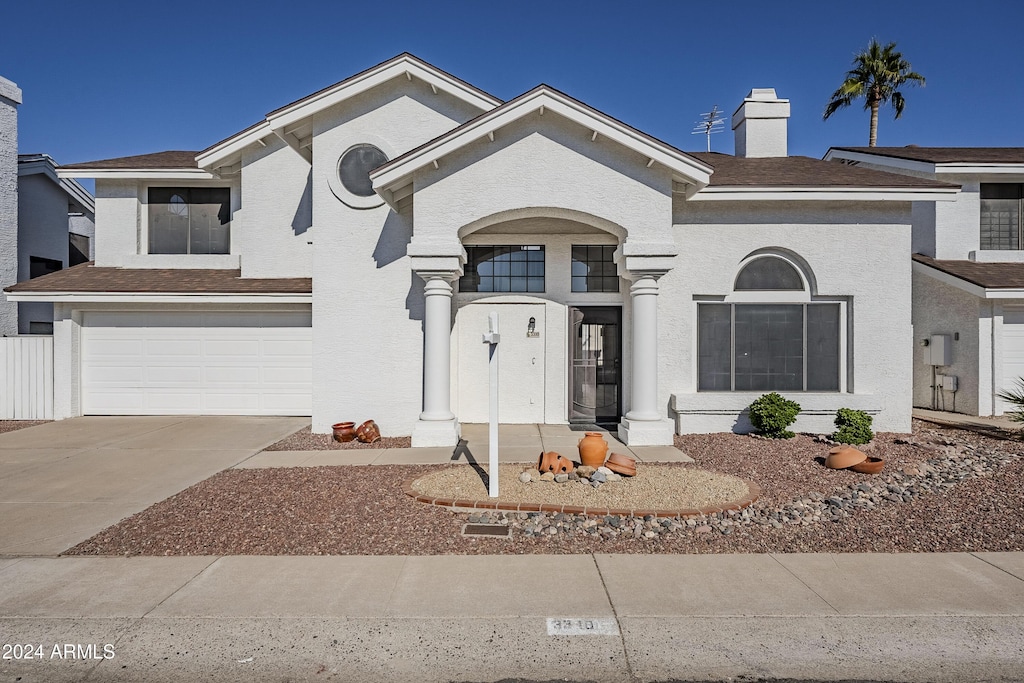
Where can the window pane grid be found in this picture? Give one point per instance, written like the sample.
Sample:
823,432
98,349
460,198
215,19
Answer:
1001,210
768,347
503,268
593,268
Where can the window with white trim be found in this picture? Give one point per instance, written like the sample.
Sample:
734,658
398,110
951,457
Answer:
770,345
189,220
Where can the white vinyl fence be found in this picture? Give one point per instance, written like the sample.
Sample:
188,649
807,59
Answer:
26,377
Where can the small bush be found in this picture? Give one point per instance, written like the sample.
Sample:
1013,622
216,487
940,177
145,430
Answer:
853,427
772,413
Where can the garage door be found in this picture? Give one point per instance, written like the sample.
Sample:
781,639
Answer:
197,363
1013,351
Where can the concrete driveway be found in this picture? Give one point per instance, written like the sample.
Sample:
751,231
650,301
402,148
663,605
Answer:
62,482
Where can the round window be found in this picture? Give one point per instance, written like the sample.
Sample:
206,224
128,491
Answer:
354,168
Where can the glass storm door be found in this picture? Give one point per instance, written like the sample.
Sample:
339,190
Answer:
595,366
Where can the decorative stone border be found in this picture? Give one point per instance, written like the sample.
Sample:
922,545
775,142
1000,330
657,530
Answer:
753,493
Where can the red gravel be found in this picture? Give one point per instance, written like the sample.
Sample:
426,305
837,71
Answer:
14,425
306,440
362,510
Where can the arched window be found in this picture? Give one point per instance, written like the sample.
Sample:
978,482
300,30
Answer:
761,339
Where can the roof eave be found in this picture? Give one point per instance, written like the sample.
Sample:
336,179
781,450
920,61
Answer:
161,297
808,193
137,173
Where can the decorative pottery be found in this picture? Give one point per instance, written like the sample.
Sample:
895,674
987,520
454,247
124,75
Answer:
621,464
344,431
841,457
870,466
593,449
553,462
368,432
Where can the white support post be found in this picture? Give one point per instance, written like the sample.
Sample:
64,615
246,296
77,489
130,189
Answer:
644,425
437,425
491,338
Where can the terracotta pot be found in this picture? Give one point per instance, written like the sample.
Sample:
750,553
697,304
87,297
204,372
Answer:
870,466
841,457
553,462
621,464
368,432
593,449
344,431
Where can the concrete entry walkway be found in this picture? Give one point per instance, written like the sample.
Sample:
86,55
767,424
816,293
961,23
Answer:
64,481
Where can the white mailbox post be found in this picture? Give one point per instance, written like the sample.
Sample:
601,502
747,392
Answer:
491,338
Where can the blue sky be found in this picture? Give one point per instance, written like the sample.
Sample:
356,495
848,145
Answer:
105,79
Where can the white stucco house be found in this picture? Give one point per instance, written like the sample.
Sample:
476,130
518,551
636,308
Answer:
45,221
968,283
340,257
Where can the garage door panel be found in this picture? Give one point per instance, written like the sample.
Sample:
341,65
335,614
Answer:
197,362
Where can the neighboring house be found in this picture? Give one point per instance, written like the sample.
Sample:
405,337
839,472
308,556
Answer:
10,98
340,258
55,221
968,261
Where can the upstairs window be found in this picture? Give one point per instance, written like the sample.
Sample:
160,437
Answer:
511,268
593,269
189,220
1001,215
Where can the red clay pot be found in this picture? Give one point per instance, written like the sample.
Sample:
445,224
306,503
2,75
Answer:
841,457
869,466
621,464
593,449
368,432
344,431
553,462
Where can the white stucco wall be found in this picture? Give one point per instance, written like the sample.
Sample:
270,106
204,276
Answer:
117,221
958,224
365,294
42,232
10,98
277,212
857,253
943,309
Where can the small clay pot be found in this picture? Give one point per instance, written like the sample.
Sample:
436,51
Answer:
344,431
553,462
368,432
841,457
870,466
621,464
593,449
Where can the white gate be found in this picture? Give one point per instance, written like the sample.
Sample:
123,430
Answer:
26,377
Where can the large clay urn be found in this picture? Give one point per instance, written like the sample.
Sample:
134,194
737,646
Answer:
344,431
593,448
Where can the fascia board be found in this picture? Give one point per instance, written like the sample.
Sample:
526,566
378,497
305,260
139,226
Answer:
136,298
895,194
353,87
138,174
893,162
222,153
691,170
79,194
950,280
981,169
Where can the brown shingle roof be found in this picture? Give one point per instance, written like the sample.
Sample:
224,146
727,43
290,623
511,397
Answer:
987,275
87,278
947,155
169,159
801,172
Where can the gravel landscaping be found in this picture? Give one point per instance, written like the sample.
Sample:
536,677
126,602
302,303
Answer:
942,490
306,440
14,425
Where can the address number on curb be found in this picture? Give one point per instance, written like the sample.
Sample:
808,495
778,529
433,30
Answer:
582,627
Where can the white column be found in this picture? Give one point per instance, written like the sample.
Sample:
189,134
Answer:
645,424
437,425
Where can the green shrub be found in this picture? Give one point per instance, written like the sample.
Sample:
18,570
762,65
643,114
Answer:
1015,397
853,427
772,413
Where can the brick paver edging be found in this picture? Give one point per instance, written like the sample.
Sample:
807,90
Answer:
753,493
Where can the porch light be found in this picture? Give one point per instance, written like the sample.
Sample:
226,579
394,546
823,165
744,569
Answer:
531,328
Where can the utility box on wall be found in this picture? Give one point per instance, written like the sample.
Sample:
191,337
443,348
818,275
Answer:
939,350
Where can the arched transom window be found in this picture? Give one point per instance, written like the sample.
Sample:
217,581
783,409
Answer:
768,334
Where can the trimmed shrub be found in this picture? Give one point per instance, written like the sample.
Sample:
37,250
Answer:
771,414
853,427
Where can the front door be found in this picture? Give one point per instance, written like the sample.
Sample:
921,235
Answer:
595,367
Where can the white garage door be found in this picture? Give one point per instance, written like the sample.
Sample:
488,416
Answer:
197,363
1013,351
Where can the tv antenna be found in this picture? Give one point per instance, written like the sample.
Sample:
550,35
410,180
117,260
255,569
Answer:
710,122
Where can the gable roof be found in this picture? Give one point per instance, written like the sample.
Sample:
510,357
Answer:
946,155
287,121
43,164
393,176
169,164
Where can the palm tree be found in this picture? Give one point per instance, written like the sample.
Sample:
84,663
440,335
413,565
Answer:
877,75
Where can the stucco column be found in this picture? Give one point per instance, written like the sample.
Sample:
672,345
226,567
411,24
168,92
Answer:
437,425
644,424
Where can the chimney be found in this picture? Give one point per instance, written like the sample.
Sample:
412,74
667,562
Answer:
759,124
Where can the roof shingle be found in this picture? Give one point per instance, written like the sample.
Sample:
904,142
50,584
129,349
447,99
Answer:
987,275
88,278
168,159
946,155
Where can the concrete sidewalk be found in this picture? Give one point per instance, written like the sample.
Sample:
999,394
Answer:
629,618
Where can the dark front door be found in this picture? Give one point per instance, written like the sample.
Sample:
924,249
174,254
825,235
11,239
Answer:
595,366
